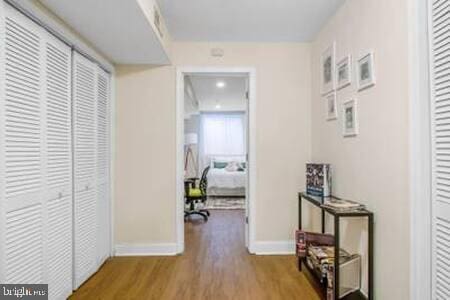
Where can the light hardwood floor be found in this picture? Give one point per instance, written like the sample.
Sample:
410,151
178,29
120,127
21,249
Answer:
215,265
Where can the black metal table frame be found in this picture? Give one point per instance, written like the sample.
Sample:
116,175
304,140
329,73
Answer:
337,217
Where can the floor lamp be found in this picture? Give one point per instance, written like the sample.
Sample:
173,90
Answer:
190,139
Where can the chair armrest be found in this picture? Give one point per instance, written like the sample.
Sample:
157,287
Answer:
189,183
192,182
192,179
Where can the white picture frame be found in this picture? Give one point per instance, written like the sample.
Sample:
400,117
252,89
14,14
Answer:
327,69
331,105
365,70
350,126
344,72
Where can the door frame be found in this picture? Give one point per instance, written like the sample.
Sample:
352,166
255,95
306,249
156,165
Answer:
251,183
420,179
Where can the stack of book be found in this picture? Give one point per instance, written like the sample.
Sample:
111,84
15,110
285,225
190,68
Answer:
305,239
318,251
342,205
321,258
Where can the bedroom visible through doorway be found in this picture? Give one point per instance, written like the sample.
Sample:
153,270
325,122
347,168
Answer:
215,148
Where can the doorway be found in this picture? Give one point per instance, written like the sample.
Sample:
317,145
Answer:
196,151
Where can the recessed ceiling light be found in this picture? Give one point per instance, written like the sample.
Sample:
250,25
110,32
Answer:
220,84
218,106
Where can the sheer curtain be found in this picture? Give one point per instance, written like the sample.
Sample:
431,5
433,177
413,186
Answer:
222,134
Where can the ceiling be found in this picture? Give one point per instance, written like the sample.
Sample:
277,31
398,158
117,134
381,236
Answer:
120,29
230,98
247,20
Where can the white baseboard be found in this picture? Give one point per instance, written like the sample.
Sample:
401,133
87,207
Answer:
274,248
169,249
166,249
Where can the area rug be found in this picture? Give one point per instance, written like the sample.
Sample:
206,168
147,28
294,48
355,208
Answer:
225,203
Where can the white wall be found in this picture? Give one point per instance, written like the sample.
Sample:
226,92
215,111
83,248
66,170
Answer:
145,160
191,108
373,167
145,156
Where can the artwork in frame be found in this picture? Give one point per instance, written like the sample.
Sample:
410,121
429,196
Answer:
366,71
350,118
327,71
331,106
344,72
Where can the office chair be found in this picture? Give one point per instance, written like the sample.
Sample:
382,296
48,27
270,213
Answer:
196,194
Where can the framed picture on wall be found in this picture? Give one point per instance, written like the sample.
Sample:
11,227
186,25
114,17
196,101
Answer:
344,72
327,71
350,118
366,71
331,106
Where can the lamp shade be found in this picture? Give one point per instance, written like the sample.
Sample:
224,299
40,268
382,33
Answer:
190,139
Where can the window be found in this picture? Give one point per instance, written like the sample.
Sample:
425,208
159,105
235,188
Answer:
223,134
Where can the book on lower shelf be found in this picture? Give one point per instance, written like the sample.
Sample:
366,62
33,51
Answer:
318,253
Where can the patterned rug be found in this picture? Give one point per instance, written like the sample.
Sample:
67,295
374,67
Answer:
225,203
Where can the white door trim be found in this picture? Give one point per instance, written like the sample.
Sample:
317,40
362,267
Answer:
420,151
181,71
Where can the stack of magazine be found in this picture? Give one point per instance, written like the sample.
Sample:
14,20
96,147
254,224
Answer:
320,258
342,205
317,249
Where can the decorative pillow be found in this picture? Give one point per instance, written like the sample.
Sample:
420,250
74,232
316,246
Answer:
242,166
220,164
232,166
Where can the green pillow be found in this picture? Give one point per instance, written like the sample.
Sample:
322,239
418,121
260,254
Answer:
220,165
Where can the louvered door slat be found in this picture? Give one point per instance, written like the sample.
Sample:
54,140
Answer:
22,207
85,235
44,133
103,127
103,161
84,91
35,156
84,138
58,63
440,65
59,126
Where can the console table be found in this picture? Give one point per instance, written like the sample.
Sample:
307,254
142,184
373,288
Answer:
338,215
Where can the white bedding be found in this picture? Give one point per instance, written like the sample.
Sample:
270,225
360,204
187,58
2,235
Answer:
220,178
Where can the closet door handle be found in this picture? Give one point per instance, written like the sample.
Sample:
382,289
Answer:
60,195
86,187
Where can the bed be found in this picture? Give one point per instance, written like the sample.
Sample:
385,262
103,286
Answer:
225,182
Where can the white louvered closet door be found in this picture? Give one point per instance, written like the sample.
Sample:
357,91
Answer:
58,138
23,209
103,162
440,75
85,168
35,156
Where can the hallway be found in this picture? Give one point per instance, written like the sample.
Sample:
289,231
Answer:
215,265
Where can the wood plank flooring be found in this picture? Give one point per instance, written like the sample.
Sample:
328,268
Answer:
215,265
